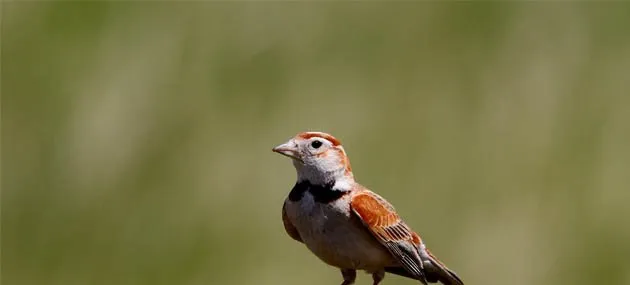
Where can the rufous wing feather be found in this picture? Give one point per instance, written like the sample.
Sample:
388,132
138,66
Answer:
387,227
405,245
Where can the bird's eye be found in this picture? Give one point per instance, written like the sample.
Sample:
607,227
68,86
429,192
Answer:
316,144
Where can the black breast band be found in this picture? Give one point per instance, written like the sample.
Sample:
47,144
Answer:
321,194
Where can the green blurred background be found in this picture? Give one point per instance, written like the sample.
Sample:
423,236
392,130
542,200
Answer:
136,136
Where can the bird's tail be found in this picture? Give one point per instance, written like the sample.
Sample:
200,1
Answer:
436,271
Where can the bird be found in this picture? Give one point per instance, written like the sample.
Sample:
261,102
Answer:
346,225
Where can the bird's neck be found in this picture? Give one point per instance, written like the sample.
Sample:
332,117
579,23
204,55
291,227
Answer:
338,179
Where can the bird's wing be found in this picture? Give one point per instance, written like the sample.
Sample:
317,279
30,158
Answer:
388,228
288,226
405,245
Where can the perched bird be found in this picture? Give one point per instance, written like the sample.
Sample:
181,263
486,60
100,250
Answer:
345,224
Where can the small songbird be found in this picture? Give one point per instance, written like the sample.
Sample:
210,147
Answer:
345,224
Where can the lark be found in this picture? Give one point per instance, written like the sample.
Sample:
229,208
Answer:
345,224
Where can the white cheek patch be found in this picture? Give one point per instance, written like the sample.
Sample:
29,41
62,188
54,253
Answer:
325,166
330,162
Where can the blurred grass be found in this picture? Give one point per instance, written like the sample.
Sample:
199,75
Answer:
136,136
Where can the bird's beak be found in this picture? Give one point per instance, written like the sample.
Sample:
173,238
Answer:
288,149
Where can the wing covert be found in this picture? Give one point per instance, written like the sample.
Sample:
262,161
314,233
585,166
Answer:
388,228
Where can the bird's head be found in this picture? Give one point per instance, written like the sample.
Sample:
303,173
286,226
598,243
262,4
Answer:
319,159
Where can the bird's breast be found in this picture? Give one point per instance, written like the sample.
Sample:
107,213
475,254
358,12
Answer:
332,232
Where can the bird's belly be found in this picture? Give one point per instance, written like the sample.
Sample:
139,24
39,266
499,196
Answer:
348,250
336,236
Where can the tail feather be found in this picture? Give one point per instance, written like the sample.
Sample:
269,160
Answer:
437,271
431,276
400,271
434,270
